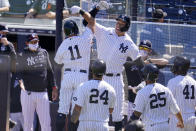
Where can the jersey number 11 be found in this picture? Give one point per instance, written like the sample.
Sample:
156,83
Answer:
77,51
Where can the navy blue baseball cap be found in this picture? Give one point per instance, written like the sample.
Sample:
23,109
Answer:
146,43
3,28
31,37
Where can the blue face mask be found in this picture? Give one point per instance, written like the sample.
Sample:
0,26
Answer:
143,53
33,46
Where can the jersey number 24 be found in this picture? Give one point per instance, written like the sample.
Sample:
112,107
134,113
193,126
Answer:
94,97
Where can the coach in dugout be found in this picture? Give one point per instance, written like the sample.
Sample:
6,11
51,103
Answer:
6,47
35,75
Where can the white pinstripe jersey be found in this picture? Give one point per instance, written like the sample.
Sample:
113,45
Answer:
74,52
114,49
155,102
95,97
184,91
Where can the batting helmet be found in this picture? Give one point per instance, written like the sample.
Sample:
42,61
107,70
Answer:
150,72
98,67
181,65
136,125
70,28
125,19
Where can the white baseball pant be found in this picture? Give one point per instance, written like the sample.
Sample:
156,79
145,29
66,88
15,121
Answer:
18,118
117,83
163,126
35,101
189,122
69,82
93,126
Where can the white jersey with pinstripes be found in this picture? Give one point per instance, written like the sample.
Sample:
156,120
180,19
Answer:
95,97
74,53
114,49
155,102
184,91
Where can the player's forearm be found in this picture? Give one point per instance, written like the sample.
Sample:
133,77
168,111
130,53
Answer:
76,113
87,16
159,61
111,110
4,9
179,117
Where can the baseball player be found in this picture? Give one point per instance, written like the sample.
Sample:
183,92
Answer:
35,75
154,102
94,101
183,88
114,45
74,54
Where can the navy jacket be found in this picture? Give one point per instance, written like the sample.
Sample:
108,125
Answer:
35,69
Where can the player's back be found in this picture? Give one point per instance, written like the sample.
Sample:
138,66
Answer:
183,89
74,52
100,96
157,101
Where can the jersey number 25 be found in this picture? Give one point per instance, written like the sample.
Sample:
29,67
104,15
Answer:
155,98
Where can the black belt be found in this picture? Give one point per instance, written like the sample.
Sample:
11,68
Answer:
111,74
69,69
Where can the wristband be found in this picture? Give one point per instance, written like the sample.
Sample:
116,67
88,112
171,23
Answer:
82,12
54,87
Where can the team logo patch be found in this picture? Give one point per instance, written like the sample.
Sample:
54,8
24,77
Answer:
75,98
134,105
123,48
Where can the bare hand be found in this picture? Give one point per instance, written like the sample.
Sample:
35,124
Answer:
50,15
54,94
21,85
180,124
4,41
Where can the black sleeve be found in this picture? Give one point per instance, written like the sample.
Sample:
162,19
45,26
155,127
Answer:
93,13
13,57
19,66
50,72
138,62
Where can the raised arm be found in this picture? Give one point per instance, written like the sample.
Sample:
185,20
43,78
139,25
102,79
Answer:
89,17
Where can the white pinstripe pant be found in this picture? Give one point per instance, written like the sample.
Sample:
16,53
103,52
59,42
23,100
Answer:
117,83
69,83
93,126
164,126
18,118
189,122
35,101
